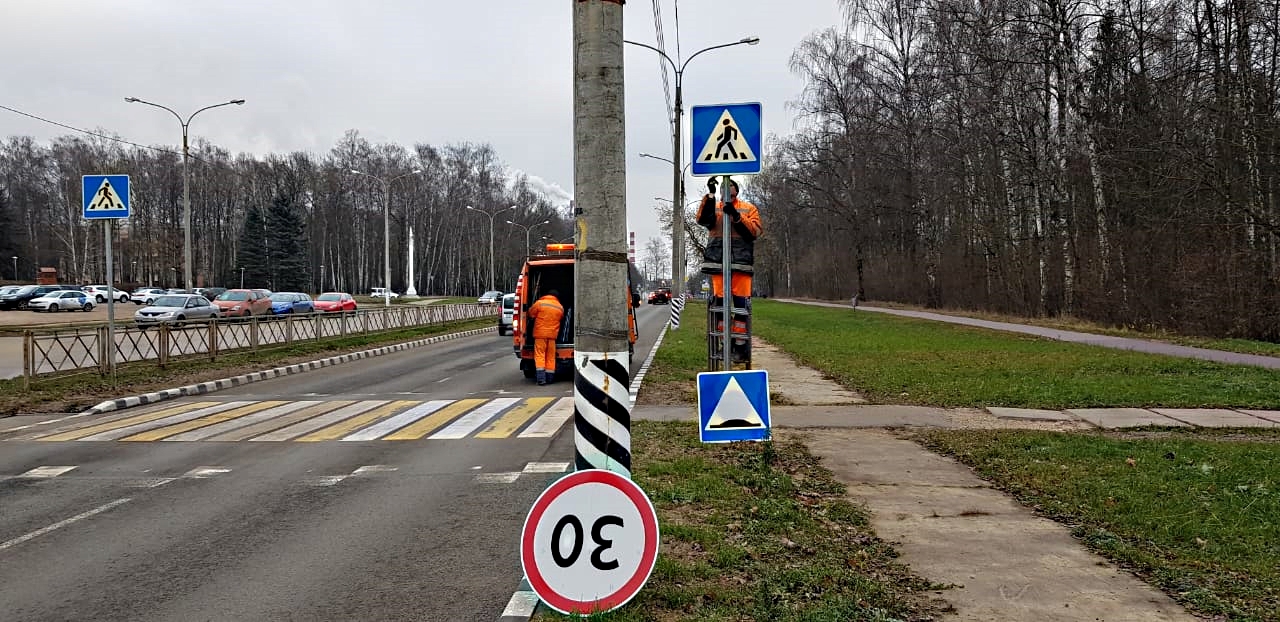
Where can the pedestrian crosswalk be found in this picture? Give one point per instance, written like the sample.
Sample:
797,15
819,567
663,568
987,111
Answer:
321,420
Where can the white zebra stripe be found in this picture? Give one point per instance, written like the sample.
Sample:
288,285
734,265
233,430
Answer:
323,421
382,428
551,419
235,424
111,435
474,419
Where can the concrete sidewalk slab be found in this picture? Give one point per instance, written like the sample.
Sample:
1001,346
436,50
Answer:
790,383
1112,418
1269,415
1215,418
1029,414
952,527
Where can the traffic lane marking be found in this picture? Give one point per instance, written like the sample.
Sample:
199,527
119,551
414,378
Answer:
348,426
77,431
468,423
63,523
325,420
222,417
387,426
429,424
116,431
277,423
515,418
235,424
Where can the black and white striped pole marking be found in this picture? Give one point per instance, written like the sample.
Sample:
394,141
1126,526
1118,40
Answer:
602,412
677,305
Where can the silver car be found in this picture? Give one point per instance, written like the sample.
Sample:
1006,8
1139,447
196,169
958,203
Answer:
61,300
176,309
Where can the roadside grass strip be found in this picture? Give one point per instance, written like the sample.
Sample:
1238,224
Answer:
1194,512
907,361
671,377
759,532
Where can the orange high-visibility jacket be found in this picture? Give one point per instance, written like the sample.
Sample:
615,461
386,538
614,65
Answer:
742,233
546,314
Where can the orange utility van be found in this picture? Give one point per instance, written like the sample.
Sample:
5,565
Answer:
541,274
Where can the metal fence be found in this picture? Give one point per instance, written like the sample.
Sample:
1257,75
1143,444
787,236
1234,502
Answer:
85,348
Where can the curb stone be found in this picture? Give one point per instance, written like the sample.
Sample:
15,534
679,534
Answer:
226,383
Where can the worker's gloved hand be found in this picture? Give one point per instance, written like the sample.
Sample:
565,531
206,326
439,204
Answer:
711,185
731,210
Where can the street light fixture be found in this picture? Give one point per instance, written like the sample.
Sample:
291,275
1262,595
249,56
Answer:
15,267
386,228
677,201
491,215
186,186
526,231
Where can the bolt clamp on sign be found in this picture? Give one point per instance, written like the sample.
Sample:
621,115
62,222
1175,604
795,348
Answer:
590,542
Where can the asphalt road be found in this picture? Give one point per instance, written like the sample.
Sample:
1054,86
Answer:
271,527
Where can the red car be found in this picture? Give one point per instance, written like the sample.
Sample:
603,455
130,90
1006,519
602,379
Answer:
335,301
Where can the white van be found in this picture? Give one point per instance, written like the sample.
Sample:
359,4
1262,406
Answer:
508,314
381,292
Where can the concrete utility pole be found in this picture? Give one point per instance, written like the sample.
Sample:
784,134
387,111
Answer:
602,409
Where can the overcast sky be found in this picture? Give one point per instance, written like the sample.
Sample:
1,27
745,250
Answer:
396,70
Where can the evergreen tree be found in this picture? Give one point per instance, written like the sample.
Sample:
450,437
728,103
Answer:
252,255
287,247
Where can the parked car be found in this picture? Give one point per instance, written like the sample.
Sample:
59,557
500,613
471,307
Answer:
61,300
489,298
381,292
660,296
507,315
243,303
19,298
335,301
291,302
176,309
210,292
145,295
99,293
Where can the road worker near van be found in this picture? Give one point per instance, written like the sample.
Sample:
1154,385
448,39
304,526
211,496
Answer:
546,314
744,228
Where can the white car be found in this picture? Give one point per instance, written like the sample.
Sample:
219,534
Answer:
61,300
381,292
508,314
146,295
99,293
489,298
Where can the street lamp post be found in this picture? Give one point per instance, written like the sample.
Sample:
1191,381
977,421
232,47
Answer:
241,277
491,215
15,267
186,187
321,278
677,191
386,229
526,231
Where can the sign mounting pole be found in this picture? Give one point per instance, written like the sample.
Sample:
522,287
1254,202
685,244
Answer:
111,301
106,198
726,293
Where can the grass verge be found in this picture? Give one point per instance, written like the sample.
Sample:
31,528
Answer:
672,377
1197,513
902,360
83,390
759,531
1243,346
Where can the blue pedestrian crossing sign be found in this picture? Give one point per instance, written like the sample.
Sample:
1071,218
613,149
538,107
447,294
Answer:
105,196
727,139
733,406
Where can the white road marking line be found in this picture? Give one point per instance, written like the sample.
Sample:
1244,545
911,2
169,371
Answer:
63,523
45,472
323,421
521,605
444,380
205,472
240,422
551,420
153,482
375,468
546,467
328,480
382,428
497,478
38,423
119,433
474,419
644,367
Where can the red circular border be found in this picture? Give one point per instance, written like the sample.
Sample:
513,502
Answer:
647,559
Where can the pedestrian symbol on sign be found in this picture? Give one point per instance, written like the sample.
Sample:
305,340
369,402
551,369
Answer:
726,145
105,199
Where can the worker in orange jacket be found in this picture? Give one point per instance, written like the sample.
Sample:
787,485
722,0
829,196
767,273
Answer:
744,227
546,314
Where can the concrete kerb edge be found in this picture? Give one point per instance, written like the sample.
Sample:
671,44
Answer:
235,381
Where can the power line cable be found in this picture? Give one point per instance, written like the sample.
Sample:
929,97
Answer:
82,131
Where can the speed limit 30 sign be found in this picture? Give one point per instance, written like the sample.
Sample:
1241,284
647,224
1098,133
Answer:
590,542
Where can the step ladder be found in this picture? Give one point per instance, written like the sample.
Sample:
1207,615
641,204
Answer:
740,342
